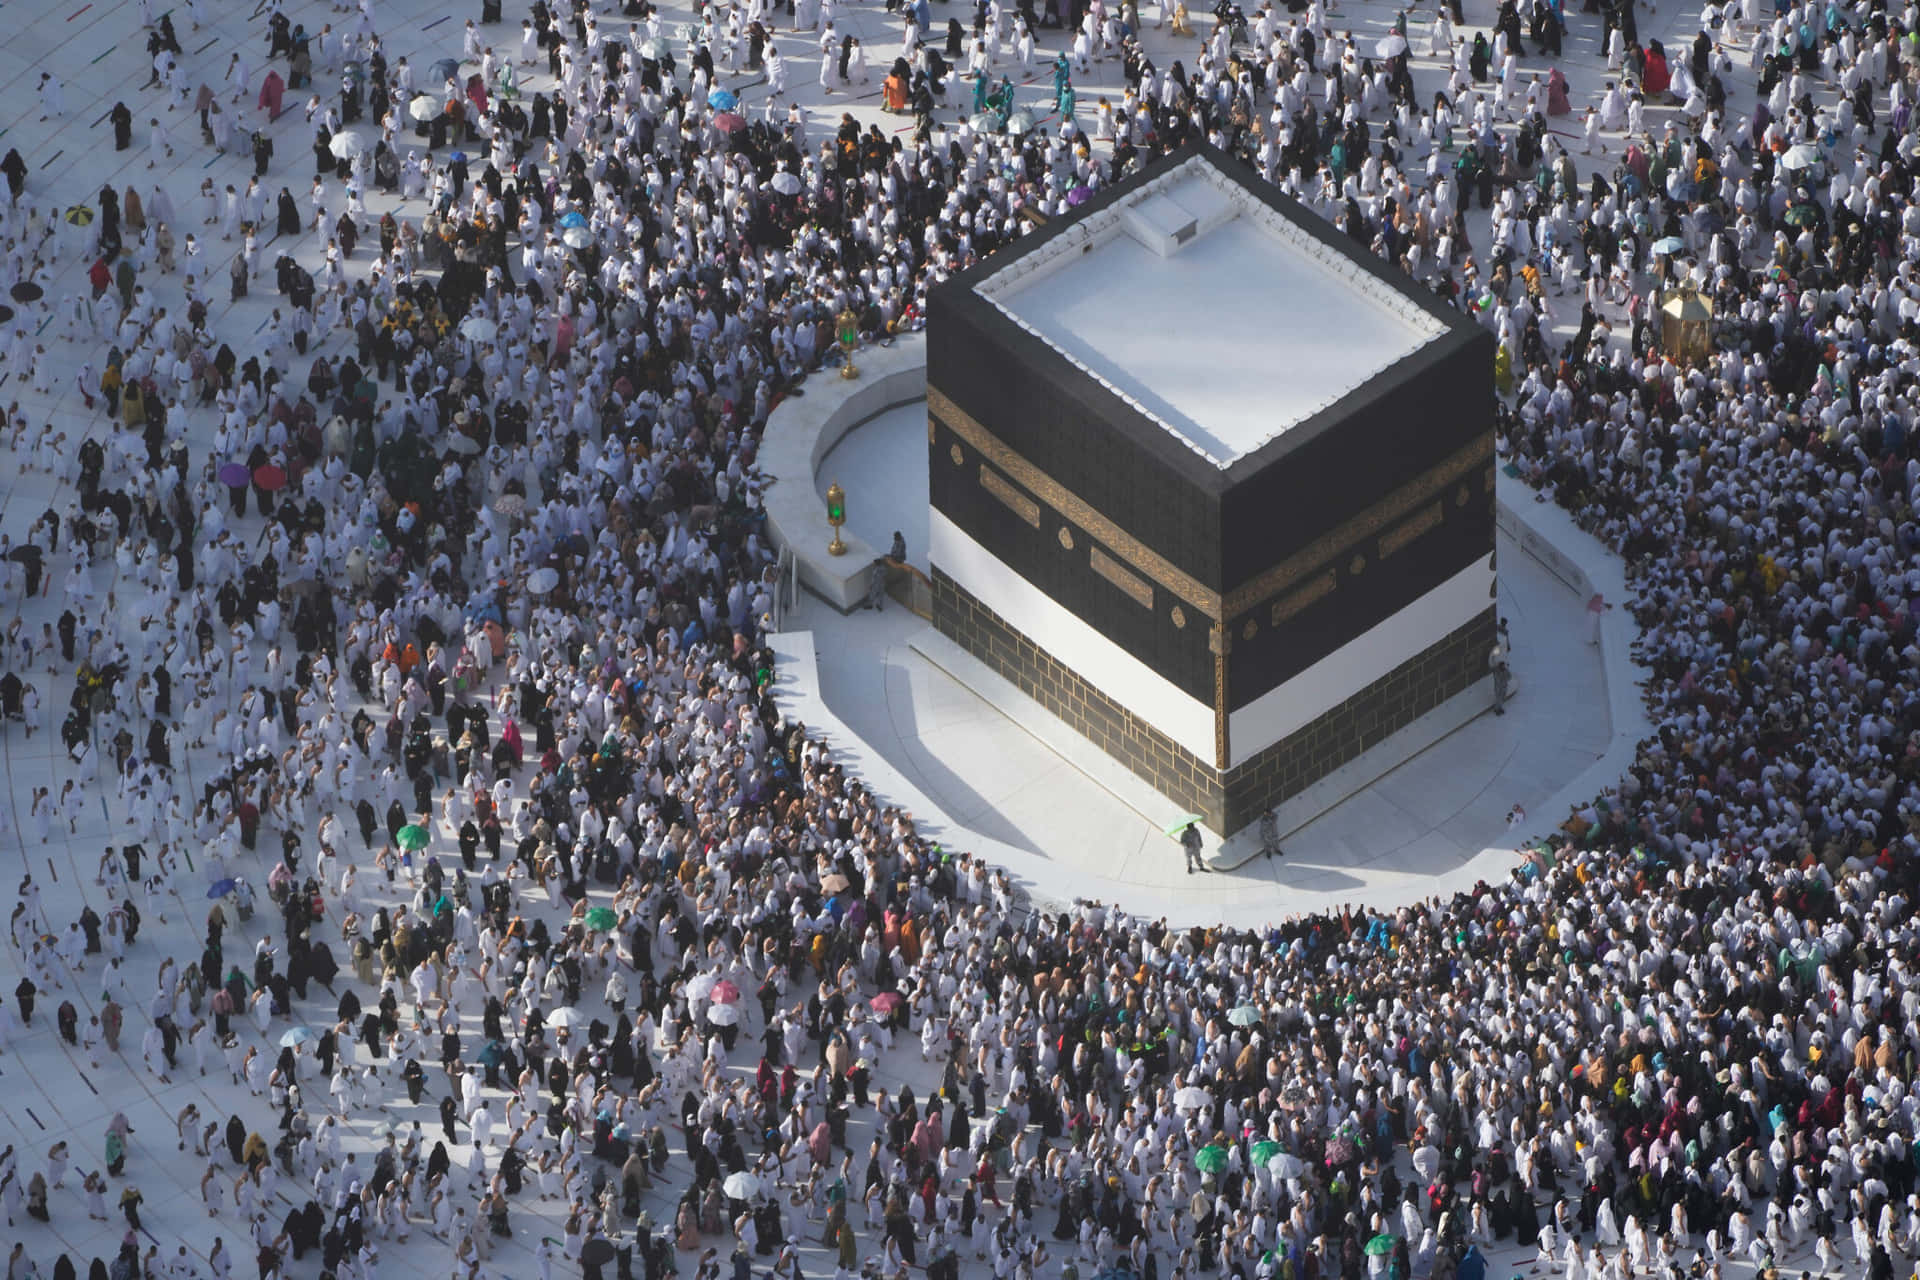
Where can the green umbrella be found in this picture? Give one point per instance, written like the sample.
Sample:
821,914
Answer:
1174,828
601,918
413,836
1382,1244
1265,1151
1244,1016
1210,1159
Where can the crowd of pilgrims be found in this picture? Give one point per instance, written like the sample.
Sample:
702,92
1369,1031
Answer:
1682,1037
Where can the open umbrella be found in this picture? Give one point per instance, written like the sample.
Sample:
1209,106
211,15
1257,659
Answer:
462,443
1079,195
787,184
1174,828
1340,1150
742,1185
653,48
413,836
510,504
984,122
885,1003
1801,155
1264,1151
834,882
235,475
221,888
345,146
722,100
723,1015
729,122
566,1016
28,291
541,581
445,69
1426,1163
296,1036
1669,246
1192,1098
423,108
458,157
576,237
270,477
6,314
601,919
700,985
724,992
80,215
1210,1159
1244,1016
478,329
1391,45
1381,1245
1019,122
573,218
1803,214
597,1252
1285,1165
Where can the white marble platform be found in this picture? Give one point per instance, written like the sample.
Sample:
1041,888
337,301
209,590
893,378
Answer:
999,774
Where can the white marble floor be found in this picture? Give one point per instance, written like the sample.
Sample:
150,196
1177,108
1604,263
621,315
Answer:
1071,823
1042,816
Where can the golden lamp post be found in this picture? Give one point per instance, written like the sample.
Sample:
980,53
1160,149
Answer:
836,516
847,330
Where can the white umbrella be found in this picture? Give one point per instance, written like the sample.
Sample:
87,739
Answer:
786,183
1285,1165
576,237
463,444
1244,1016
1391,45
724,1015
345,146
478,328
423,108
566,1017
1801,155
742,1185
1192,1099
1426,1163
700,986
541,581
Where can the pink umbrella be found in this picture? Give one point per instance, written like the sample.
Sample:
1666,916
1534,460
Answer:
729,122
724,992
885,1003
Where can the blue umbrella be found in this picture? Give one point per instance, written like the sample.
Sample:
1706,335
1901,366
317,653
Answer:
573,218
445,69
722,100
220,888
297,1035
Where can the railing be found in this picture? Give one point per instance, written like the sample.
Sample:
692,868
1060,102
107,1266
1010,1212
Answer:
786,587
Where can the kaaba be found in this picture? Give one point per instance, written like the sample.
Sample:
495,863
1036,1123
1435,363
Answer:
1214,486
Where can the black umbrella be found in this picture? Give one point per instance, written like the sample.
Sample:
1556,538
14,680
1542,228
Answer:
596,1252
26,553
6,314
27,291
